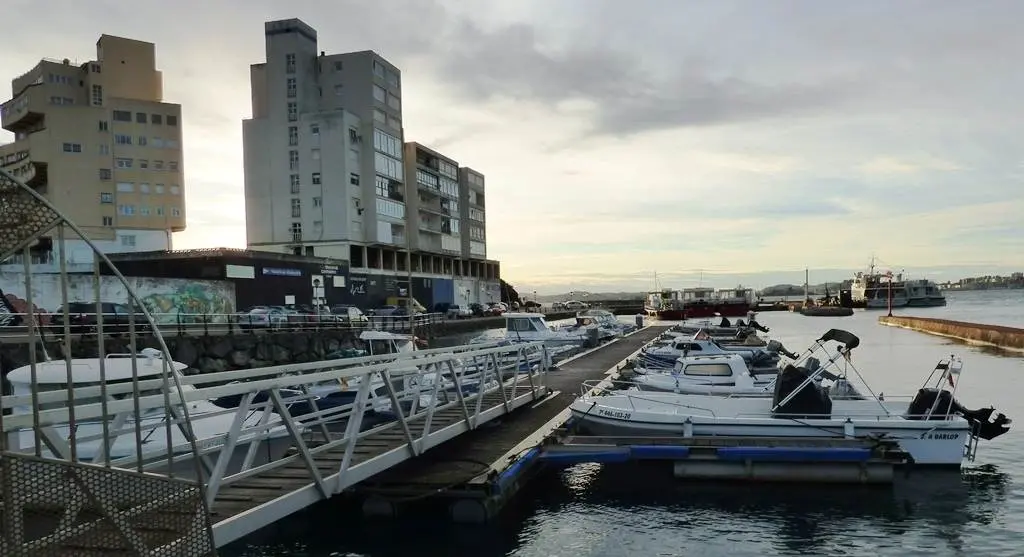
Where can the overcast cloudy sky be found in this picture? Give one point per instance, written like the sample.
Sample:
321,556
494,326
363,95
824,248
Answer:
620,139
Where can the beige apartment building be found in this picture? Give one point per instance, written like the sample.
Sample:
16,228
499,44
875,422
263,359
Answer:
98,141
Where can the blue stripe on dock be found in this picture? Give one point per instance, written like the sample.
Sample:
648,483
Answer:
794,454
667,452
616,454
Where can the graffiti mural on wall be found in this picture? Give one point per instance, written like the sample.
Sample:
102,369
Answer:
169,300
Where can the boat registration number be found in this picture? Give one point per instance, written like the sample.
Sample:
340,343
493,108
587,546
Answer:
614,414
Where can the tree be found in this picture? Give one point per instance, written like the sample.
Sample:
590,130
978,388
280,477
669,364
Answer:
508,293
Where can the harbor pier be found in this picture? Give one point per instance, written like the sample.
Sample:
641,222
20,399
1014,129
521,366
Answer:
997,336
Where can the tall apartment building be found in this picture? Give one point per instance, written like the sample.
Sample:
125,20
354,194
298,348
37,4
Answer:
474,217
97,140
435,221
323,149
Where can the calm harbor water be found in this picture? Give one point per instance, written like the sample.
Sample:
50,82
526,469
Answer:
594,510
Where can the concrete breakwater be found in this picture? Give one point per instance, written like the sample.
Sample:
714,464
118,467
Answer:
976,333
207,354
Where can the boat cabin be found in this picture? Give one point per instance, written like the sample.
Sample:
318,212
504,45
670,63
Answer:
698,295
381,343
736,295
729,368
525,323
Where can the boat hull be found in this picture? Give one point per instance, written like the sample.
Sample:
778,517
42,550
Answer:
944,446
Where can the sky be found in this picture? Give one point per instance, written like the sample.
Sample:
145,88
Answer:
718,142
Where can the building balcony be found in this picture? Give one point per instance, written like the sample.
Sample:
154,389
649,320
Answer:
22,113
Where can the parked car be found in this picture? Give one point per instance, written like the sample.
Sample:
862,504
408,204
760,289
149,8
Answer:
456,311
496,308
384,311
349,315
478,310
262,317
82,318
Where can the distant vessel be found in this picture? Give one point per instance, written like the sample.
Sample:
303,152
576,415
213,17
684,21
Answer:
872,289
699,303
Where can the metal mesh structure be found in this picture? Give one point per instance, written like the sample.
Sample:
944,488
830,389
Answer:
55,501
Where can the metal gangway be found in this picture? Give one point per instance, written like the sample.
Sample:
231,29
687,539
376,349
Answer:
127,454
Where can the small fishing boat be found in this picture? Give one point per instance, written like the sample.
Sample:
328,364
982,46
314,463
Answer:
664,354
531,327
933,427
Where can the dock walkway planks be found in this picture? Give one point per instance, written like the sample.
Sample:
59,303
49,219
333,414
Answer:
469,455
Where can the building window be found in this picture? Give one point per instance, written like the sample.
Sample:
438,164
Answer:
293,160
318,202
316,178
175,190
395,122
122,139
123,163
106,198
104,149
353,179
62,100
380,116
160,211
104,174
172,120
392,79
72,147
140,117
382,186
394,102
104,126
143,188
142,141
292,87
175,212
448,169
126,210
125,187
296,207
172,166
293,135
108,221
387,166
295,188
315,153
143,164
122,116
378,69
476,214
379,94
293,112
97,95
171,144
144,210
449,187
158,141
294,180
158,165
338,90
387,144
156,119
94,68
158,188
289,63
314,129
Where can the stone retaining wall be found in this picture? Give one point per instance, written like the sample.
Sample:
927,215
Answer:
992,335
207,354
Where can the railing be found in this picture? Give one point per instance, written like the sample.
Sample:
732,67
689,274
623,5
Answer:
245,423
13,325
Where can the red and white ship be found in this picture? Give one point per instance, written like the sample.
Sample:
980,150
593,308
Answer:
690,303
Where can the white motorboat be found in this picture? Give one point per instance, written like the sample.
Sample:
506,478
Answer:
932,427
605,319
209,422
718,374
531,327
665,353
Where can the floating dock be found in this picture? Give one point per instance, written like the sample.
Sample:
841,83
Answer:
481,470
793,459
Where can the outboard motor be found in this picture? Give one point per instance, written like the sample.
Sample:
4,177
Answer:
810,402
775,346
946,406
753,323
725,322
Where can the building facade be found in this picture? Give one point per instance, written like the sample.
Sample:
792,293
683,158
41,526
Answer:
434,217
474,217
97,140
327,174
323,149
